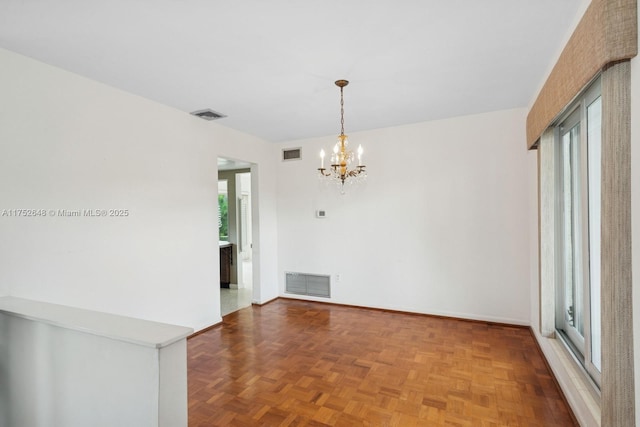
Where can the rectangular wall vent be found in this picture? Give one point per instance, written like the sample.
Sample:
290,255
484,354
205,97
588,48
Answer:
292,154
315,285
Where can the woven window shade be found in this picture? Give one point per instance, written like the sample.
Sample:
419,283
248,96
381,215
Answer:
607,33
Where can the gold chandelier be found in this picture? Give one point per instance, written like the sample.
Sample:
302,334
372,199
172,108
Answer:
342,158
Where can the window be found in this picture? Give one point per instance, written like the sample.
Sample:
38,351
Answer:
585,247
578,145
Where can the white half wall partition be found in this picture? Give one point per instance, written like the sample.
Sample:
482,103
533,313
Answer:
67,367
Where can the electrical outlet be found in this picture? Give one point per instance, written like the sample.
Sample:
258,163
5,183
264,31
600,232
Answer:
337,277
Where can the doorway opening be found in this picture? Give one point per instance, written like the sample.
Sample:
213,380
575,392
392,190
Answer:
235,236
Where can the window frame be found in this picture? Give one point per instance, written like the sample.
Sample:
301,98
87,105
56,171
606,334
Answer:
576,115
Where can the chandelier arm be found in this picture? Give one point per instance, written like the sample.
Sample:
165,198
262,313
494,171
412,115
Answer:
324,172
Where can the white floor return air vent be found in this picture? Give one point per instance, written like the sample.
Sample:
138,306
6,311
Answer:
308,284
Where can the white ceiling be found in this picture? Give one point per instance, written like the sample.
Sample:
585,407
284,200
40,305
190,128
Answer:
270,65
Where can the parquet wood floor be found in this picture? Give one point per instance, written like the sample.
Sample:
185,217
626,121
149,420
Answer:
298,363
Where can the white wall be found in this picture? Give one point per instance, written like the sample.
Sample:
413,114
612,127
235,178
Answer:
440,227
67,142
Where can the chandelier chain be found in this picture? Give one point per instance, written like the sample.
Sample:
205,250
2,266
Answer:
341,111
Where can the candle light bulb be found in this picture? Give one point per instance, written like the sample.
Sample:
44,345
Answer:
360,150
322,159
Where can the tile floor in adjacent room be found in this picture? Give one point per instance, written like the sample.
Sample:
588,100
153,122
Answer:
234,299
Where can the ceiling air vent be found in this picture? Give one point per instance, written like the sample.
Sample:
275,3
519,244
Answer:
292,154
208,114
